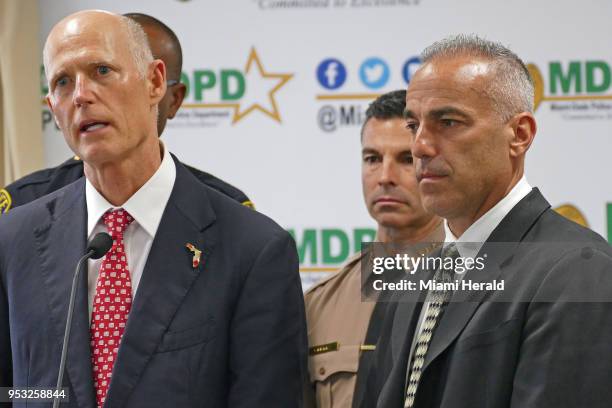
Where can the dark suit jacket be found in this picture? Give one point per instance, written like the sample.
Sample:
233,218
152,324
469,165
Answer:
520,348
229,333
43,182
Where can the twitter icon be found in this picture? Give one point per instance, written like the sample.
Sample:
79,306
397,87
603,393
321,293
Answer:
374,73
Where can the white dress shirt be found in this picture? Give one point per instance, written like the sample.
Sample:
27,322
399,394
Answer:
146,206
470,242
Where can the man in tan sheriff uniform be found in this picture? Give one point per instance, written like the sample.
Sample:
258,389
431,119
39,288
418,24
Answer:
343,329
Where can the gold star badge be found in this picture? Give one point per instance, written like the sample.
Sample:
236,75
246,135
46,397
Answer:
280,79
196,254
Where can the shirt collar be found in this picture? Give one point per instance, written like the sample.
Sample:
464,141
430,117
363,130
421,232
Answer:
156,190
470,242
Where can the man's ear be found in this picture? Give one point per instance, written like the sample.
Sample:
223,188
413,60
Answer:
157,81
178,94
524,127
48,100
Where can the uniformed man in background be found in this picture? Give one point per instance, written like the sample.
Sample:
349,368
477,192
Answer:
164,45
343,329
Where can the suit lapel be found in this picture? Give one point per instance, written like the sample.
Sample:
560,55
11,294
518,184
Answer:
511,231
60,244
167,278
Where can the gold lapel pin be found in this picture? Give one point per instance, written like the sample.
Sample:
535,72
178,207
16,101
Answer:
196,254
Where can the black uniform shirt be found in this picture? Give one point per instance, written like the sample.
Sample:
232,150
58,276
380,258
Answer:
45,181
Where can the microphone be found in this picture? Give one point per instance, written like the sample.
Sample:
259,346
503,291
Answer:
100,244
96,249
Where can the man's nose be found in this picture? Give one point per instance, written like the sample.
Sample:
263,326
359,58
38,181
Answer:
83,92
388,173
423,143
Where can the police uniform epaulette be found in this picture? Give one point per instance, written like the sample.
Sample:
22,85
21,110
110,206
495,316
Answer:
40,183
221,186
45,181
343,269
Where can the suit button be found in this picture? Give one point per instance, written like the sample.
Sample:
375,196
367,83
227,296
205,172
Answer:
322,370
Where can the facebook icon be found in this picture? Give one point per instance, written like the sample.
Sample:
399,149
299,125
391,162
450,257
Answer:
331,73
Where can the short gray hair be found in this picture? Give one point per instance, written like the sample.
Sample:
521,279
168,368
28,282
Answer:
512,89
139,45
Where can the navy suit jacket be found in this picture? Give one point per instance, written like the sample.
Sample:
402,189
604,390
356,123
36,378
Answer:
544,341
229,333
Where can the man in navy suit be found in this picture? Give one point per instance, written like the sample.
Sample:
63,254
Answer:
197,304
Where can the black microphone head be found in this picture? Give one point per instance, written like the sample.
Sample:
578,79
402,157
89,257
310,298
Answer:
100,244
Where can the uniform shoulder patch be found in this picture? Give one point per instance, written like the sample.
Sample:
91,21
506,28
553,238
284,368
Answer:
248,203
5,201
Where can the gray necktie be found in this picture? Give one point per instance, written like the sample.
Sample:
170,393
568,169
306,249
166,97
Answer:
438,300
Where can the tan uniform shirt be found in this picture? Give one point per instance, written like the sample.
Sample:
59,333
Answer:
338,322
337,325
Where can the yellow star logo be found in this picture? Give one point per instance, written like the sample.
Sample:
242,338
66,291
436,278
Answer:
254,63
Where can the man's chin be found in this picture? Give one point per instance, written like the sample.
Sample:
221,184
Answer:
433,185
394,220
438,204
95,156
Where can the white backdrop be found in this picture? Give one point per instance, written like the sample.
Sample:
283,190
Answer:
277,139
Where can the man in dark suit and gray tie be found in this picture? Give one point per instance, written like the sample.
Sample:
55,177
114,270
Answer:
197,304
543,339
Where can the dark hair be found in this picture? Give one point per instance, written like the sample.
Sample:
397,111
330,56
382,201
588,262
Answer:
145,19
390,105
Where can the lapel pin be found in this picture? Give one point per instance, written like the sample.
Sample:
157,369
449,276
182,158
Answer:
196,254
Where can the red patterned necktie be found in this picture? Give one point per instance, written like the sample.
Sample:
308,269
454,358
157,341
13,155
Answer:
112,304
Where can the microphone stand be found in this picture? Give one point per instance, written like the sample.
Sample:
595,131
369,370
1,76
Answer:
75,282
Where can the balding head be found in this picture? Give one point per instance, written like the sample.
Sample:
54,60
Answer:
104,87
82,21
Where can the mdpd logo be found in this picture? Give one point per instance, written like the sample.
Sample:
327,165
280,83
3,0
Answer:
577,89
238,92
331,73
320,249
